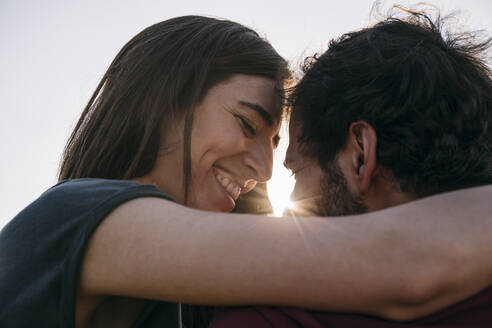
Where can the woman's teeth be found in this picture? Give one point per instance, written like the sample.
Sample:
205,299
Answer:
233,189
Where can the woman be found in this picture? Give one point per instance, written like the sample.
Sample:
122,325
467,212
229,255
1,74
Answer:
188,114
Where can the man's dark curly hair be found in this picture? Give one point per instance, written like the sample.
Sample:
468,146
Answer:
428,97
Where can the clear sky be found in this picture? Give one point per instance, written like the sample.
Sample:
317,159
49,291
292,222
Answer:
53,54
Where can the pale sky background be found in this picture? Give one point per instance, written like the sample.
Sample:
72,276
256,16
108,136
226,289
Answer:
53,54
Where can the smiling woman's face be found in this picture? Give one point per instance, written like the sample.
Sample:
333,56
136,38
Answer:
235,130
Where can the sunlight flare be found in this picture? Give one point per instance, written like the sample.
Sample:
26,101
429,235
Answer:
281,184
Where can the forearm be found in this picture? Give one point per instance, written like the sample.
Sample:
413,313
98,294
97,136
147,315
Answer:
432,253
399,262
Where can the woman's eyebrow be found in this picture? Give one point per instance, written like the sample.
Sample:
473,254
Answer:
265,115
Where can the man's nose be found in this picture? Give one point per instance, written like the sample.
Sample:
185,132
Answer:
291,156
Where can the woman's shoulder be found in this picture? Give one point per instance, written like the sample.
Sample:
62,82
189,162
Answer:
70,200
42,247
94,186
94,192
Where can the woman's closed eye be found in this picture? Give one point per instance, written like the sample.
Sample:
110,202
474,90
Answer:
249,130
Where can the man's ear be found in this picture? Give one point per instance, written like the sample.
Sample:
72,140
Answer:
363,138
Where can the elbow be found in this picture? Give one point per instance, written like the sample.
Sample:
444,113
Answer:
418,297
400,313
431,284
406,311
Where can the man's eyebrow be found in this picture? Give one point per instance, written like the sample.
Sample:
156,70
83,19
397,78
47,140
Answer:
265,115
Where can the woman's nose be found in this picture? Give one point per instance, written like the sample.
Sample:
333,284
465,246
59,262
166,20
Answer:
260,160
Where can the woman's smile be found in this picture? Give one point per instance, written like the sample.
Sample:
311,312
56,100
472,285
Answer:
232,141
232,188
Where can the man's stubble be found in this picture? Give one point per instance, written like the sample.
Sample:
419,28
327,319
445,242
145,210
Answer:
336,199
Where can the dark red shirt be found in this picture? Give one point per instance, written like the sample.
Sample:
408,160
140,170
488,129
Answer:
475,311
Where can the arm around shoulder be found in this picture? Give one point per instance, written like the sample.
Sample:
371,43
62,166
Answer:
402,262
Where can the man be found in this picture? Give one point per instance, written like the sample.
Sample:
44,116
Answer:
386,115
390,114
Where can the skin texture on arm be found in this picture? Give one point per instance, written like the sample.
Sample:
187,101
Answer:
398,263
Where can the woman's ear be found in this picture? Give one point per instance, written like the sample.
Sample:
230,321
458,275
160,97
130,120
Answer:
363,138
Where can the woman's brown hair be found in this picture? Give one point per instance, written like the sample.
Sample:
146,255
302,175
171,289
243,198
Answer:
156,80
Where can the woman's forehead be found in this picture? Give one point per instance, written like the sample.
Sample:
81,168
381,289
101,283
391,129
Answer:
255,93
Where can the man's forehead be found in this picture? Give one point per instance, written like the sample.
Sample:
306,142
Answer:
295,123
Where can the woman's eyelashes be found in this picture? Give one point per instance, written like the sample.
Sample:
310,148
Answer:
248,129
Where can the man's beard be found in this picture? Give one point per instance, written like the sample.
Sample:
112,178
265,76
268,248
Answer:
336,198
